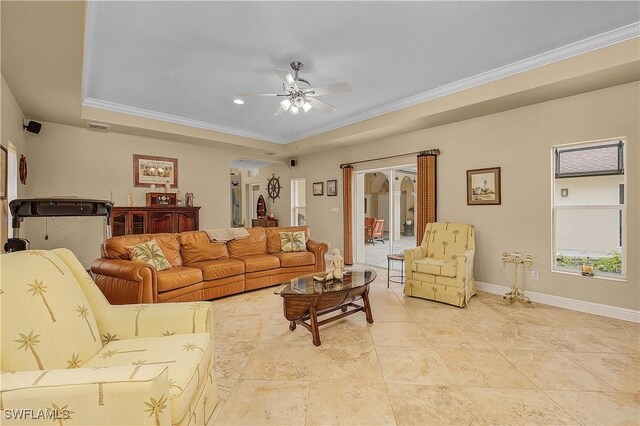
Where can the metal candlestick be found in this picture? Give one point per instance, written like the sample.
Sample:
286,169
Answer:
516,294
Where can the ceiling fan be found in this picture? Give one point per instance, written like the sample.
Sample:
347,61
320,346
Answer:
299,94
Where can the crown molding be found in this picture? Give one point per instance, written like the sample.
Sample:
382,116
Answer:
587,45
153,115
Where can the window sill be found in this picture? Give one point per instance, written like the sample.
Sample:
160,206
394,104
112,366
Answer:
599,277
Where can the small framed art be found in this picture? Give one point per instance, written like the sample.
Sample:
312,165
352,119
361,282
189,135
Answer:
318,188
332,188
483,186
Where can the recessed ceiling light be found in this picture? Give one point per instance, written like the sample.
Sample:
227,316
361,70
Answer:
238,101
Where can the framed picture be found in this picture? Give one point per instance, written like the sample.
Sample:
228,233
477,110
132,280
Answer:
318,188
4,159
483,186
148,170
332,188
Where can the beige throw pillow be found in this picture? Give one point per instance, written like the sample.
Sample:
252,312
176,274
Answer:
149,252
292,241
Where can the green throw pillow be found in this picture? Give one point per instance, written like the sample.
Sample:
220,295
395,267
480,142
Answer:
292,241
149,252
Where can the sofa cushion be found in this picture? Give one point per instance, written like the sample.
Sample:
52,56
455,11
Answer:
150,253
273,236
116,247
221,268
195,246
47,321
178,277
188,358
260,262
302,258
255,244
434,266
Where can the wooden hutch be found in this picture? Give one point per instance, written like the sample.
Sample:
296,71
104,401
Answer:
153,220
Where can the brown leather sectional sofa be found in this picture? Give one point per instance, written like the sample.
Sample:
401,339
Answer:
201,269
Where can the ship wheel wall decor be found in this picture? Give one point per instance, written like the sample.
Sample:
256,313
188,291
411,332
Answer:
273,187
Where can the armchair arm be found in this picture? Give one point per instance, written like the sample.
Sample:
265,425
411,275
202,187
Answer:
319,249
117,322
464,267
105,396
411,255
126,281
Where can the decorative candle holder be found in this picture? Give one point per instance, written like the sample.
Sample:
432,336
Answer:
516,294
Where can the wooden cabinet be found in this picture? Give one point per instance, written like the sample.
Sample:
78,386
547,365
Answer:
153,220
265,222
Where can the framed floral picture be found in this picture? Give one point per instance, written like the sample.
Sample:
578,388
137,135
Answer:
318,188
483,187
148,170
332,188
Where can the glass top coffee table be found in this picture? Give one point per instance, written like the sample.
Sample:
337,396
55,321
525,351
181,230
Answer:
305,299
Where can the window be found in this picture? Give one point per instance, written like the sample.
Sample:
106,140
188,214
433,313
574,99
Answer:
589,214
298,217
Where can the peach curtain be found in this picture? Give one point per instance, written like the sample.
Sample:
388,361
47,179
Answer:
426,180
347,174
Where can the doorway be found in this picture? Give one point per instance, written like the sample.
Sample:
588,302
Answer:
384,211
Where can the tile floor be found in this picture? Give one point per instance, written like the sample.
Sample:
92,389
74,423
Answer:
424,363
376,254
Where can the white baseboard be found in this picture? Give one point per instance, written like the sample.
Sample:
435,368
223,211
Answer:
573,304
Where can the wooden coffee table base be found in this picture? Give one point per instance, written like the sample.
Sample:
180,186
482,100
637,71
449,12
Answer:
305,309
313,323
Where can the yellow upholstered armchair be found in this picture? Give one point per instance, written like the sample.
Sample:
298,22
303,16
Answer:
441,268
68,355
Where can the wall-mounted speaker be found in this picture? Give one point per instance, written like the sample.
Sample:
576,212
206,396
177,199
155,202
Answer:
294,163
33,127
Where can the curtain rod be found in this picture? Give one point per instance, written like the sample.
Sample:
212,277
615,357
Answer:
435,151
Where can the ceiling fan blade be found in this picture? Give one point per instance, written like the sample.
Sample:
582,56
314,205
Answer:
279,111
322,106
284,75
326,90
260,94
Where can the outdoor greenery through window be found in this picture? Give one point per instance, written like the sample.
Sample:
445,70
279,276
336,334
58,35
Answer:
589,216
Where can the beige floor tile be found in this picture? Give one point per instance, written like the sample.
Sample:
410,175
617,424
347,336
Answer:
273,361
552,370
565,339
353,330
277,331
432,405
348,403
622,340
240,330
231,359
599,408
454,336
518,406
483,368
355,363
412,365
620,371
390,313
397,334
385,299
264,402
510,336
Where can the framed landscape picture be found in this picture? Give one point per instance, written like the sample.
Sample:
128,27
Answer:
318,188
148,170
483,186
332,188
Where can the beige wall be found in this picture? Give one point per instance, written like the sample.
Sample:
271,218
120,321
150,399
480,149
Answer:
11,131
68,160
519,141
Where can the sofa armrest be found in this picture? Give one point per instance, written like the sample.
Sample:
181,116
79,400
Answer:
88,396
464,267
126,281
319,249
154,320
411,255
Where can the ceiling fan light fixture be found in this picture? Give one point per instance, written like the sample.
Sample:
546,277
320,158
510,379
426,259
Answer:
293,110
238,101
285,104
306,107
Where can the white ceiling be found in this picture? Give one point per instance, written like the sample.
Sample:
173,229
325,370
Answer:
185,62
